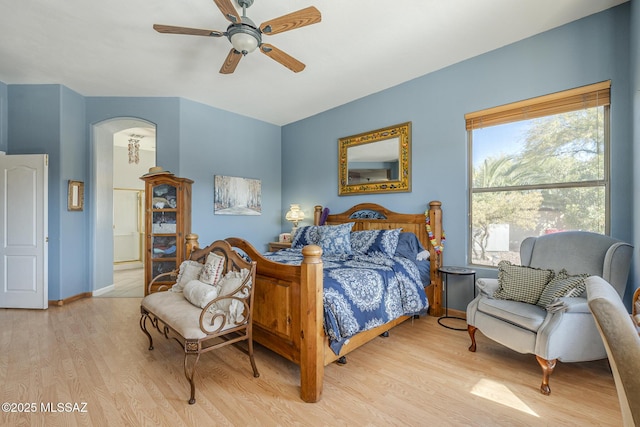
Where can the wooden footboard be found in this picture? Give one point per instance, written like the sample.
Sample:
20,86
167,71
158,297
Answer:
288,310
288,313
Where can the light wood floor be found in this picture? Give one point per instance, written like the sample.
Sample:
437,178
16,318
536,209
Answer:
92,351
126,284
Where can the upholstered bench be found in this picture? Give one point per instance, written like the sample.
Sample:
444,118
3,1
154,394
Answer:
209,306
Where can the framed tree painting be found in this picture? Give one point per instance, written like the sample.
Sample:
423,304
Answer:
236,196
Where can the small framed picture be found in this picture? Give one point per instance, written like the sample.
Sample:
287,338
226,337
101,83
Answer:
285,238
75,196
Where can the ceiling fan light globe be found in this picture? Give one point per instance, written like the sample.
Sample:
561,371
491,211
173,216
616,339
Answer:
244,43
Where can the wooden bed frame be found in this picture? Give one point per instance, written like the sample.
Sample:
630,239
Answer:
288,311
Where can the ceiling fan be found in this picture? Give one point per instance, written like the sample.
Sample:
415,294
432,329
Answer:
245,36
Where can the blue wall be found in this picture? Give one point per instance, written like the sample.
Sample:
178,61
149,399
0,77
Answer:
217,142
197,141
193,140
4,111
49,119
587,51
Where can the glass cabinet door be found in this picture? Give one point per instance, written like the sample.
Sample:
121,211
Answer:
163,229
167,223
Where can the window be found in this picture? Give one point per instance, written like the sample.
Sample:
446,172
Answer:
537,166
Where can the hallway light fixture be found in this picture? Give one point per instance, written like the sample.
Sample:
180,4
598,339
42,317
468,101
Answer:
134,148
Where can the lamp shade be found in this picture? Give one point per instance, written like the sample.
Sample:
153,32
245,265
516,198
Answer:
295,214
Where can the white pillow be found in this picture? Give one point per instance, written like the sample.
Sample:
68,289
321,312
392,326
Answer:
213,269
228,285
200,294
189,270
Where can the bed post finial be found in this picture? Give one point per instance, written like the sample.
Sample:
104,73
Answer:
317,213
192,244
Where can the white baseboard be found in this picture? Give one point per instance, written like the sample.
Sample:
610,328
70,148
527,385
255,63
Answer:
104,290
129,265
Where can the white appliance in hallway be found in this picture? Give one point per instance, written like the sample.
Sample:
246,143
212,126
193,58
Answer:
23,218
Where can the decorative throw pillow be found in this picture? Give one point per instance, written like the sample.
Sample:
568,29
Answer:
335,239
307,235
410,247
375,241
200,294
562,285
212,270
189,270
229,285
520,283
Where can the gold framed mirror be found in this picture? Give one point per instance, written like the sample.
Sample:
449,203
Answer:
75,196
375,162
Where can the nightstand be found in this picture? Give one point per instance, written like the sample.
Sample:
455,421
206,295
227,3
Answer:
276,246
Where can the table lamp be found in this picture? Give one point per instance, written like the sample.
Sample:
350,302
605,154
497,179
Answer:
294,215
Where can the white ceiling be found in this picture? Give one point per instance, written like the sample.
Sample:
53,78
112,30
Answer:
108,48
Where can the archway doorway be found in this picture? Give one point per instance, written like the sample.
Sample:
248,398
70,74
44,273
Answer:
120,156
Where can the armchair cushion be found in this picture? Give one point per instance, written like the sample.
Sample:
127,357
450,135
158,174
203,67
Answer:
562,285
524,315
487,286
519,283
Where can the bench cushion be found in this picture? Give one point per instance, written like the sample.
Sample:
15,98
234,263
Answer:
178,313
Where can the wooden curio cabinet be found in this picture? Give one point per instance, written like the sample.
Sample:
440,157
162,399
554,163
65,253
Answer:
167,223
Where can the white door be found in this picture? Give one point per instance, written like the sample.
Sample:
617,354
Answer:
23,219
127,235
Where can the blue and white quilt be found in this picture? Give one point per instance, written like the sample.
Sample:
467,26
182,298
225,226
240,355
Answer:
362,291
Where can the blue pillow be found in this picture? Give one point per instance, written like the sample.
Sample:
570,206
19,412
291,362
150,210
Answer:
369,242
307,235
335,239
409,246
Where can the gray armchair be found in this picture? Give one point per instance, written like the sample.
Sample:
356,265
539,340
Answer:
565,331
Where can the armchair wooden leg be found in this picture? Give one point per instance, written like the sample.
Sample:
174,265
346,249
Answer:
472,333
547,369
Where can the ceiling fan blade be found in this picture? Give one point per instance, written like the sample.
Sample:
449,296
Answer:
285,59
291,21
170,29
229,12
231,62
